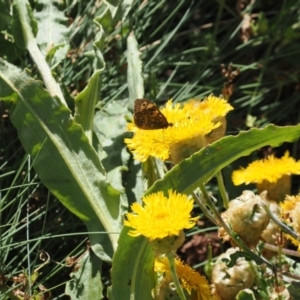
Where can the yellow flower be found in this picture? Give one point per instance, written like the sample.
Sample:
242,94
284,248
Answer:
290,212
189,279
161,216
270,169
191,123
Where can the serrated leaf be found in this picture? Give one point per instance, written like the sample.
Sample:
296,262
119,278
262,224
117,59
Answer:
204,164
63,157
53,32
187,175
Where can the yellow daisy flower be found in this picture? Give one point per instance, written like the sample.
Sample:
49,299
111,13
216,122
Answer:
191,123
190,280
290,212
271,174
161,216
270,169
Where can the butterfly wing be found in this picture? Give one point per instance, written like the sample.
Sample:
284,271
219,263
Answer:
147,116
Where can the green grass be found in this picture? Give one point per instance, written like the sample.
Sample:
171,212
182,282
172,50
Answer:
182,46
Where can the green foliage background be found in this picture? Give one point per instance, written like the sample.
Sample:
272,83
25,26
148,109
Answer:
182,46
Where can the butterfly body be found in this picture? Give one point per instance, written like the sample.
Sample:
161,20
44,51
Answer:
147,116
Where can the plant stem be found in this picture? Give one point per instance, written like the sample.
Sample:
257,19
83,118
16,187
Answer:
174,276
203,208
283,227
232,234
222,189
281,250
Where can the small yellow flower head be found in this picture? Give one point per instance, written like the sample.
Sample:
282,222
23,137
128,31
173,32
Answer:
161,217
191,123
290,212
270,169
271,174
191,281
228,282
247,217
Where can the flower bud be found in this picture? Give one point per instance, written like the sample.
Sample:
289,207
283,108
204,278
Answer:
247,217
168,244
228,282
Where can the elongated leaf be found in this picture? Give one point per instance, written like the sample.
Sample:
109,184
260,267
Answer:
63,158
86,100
25,29
136,90
123,9
133,269
85,104
114,12
201,166
135,78
53,32
24,25
5,16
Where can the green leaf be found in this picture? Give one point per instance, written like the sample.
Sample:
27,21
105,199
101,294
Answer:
86,100
53,33
106,20
134,73
109,126
200,167
236,255
85,104
24,25
85,282
133,269
112,13
123,9
204,164
25,29
294,289
5,16
115,10
63,157
99,63
246,294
